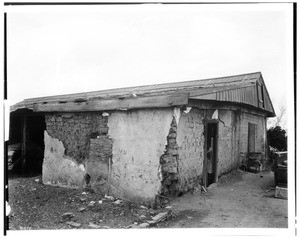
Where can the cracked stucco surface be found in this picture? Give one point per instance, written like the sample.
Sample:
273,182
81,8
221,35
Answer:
190,140
139,138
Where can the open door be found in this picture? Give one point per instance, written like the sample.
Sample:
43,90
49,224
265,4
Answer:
210,172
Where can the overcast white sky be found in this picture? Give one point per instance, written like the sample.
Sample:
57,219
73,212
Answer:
69,50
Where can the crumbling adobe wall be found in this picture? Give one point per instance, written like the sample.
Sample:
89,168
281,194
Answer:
74,131
59,169
227,159
190,139
99,162
83,140
139,138
169,164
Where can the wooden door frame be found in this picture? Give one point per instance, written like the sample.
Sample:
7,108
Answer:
204,175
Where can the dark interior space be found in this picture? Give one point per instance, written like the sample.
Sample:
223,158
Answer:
26,157
212,130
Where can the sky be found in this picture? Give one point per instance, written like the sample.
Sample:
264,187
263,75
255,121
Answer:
63,50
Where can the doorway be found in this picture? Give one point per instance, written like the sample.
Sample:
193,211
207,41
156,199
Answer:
211,153
26,143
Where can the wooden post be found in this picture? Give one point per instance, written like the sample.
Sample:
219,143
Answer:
216,151
24,128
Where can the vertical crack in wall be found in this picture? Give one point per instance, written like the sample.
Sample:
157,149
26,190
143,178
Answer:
169,163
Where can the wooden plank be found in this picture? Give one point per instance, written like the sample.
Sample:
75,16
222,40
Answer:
206,97
115,104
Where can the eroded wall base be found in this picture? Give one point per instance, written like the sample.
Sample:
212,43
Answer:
59,169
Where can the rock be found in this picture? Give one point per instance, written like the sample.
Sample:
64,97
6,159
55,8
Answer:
118,202
37,180
142,216
81,209
67,215
169,207
189,217
143,207
74,224
84,193
151,222
92,225
160,216
132,226
82,199
109,197
144,225
91,203
100,202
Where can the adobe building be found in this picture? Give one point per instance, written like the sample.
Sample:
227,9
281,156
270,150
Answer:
142,142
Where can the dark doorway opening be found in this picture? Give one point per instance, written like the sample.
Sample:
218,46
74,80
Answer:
26,144
211,151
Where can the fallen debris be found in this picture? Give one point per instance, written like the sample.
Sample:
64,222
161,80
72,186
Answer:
131,226
91,203
109,197
281,192
117,202
67,215
144,225
82,199
160,216
81,209
152,223
74,224
92,225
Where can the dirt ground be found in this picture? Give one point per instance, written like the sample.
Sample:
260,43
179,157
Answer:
239,199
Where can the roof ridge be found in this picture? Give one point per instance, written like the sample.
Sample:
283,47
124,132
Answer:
142,86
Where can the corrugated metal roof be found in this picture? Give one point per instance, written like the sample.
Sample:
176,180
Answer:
231,88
